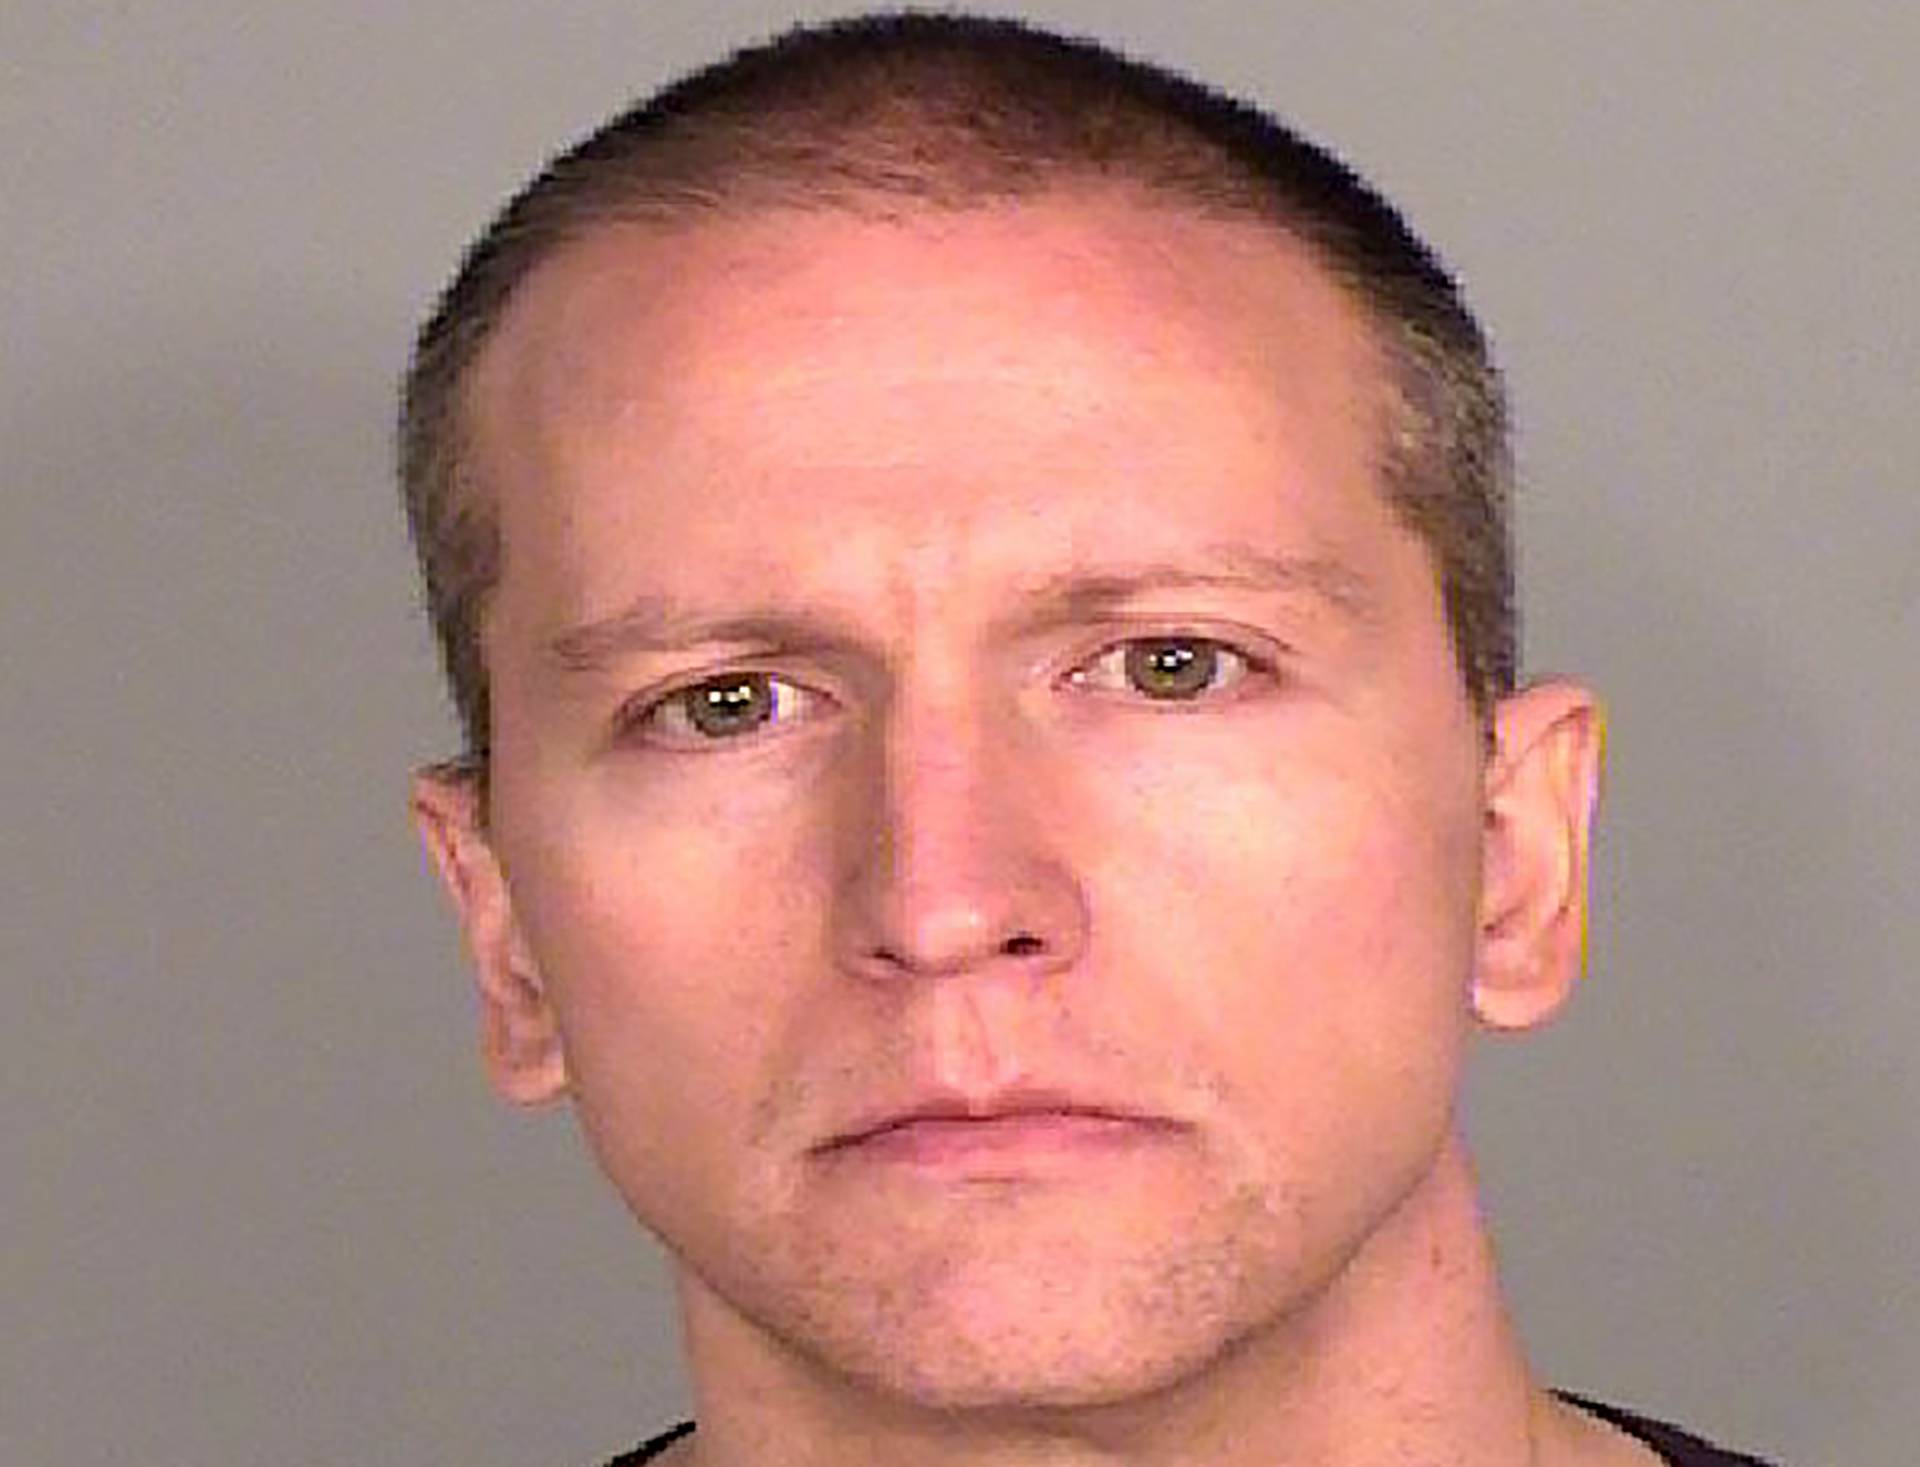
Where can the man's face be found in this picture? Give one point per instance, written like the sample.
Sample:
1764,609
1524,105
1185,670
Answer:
1207,852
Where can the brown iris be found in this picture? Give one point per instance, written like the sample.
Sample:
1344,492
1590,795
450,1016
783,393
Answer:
1179,667
727,706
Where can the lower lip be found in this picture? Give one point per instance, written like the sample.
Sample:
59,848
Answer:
1003,1141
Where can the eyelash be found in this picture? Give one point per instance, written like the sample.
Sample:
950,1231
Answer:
634,719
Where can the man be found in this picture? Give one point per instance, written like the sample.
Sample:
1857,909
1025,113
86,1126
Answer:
975,575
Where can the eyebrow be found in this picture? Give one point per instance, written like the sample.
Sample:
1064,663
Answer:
652,623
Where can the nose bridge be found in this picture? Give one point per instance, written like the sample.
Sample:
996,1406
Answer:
953,868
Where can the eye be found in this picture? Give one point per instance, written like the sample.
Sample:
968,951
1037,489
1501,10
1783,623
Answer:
728,707
732,707
1175,668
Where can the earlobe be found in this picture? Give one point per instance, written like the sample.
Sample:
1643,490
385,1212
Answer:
1542,785
520,1036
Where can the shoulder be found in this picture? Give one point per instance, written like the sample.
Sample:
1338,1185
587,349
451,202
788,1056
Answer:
1675,1446
649,1450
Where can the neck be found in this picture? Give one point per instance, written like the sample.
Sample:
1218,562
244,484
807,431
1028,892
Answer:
1407,1358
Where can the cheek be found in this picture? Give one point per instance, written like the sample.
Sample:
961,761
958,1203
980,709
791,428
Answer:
653,951
1310,931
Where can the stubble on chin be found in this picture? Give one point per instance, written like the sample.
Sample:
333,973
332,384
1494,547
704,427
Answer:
1021,1298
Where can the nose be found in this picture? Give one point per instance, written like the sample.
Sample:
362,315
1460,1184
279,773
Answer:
953,866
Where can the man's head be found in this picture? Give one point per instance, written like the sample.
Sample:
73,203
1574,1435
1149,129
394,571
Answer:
980,650
932,115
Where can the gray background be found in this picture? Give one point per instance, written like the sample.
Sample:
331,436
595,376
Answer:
258,1206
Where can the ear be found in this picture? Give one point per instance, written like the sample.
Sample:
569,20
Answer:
1542,784
520,1037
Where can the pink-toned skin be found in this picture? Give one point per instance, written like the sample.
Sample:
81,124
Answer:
954,872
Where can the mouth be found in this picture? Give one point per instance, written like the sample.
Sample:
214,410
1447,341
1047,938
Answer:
1008,1131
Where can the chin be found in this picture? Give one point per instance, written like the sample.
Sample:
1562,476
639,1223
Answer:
1025,1319
1019,1375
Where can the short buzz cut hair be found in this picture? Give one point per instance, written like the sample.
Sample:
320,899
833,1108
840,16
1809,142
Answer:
900,112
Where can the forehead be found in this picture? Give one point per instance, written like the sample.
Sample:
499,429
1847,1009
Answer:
630,308
1094,369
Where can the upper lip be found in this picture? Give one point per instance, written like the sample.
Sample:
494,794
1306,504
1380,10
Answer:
954,1106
